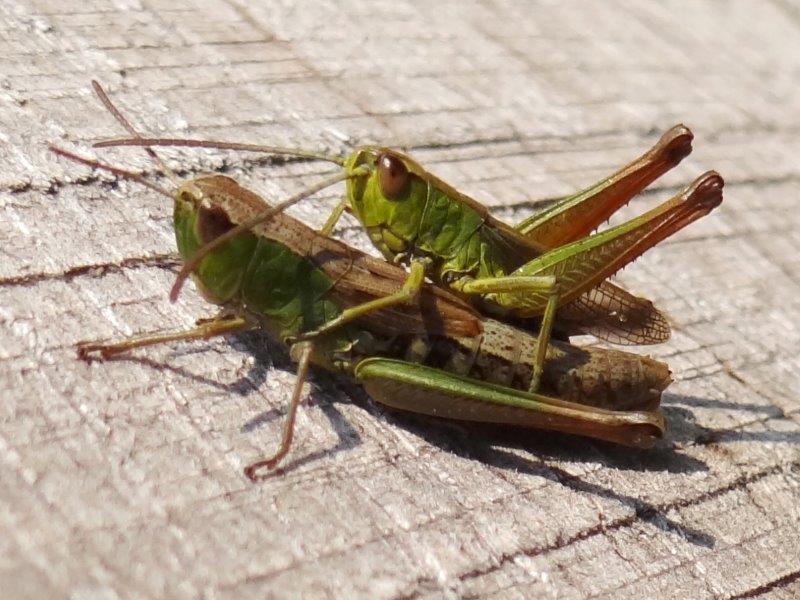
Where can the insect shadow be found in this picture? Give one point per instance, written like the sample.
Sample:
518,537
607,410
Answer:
683,426
493,445
270,354
489,444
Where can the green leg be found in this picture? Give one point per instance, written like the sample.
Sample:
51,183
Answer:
511,284
545,330
583,264
206,328
333,218
306,350
410,288
544,285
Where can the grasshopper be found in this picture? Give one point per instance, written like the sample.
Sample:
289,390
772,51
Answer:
549,261
433,355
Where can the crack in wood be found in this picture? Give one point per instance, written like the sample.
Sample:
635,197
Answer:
765,588
168,262
479,142
642,512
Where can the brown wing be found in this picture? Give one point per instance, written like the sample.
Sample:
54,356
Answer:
614,315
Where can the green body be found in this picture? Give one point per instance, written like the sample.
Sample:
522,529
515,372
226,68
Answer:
462,246
430,220
260,276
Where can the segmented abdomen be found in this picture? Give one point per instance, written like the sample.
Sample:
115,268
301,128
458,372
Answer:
590,375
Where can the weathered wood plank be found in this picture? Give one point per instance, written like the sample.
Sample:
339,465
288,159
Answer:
124,478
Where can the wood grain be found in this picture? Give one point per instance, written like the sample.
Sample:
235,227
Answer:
123,479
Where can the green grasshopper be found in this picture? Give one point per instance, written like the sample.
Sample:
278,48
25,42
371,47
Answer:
547,262
434,355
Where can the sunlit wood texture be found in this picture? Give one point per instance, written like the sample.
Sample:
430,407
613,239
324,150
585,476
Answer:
124,479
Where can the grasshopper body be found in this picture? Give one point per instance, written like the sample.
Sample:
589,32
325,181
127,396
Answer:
411,215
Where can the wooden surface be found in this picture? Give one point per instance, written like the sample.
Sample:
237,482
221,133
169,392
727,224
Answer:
123,479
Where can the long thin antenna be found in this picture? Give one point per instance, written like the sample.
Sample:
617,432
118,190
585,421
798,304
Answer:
115,112
95,164
191,264
188,143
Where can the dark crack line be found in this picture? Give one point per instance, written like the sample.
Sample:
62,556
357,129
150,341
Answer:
225,166
269,160
642,512
775,584
168,262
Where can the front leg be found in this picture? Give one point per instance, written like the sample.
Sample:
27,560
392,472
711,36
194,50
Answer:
334,217
305,352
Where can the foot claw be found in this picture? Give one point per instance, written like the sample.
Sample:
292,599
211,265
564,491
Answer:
86,351
250,471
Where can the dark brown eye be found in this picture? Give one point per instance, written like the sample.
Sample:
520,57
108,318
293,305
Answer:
392,175
212,223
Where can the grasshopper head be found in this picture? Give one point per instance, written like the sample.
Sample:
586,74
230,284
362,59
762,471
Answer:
390,199
203,212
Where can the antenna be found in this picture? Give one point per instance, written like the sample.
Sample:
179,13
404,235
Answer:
101,94
96,164
188,143
147,143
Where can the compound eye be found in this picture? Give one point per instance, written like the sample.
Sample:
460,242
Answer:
392,176
211,223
